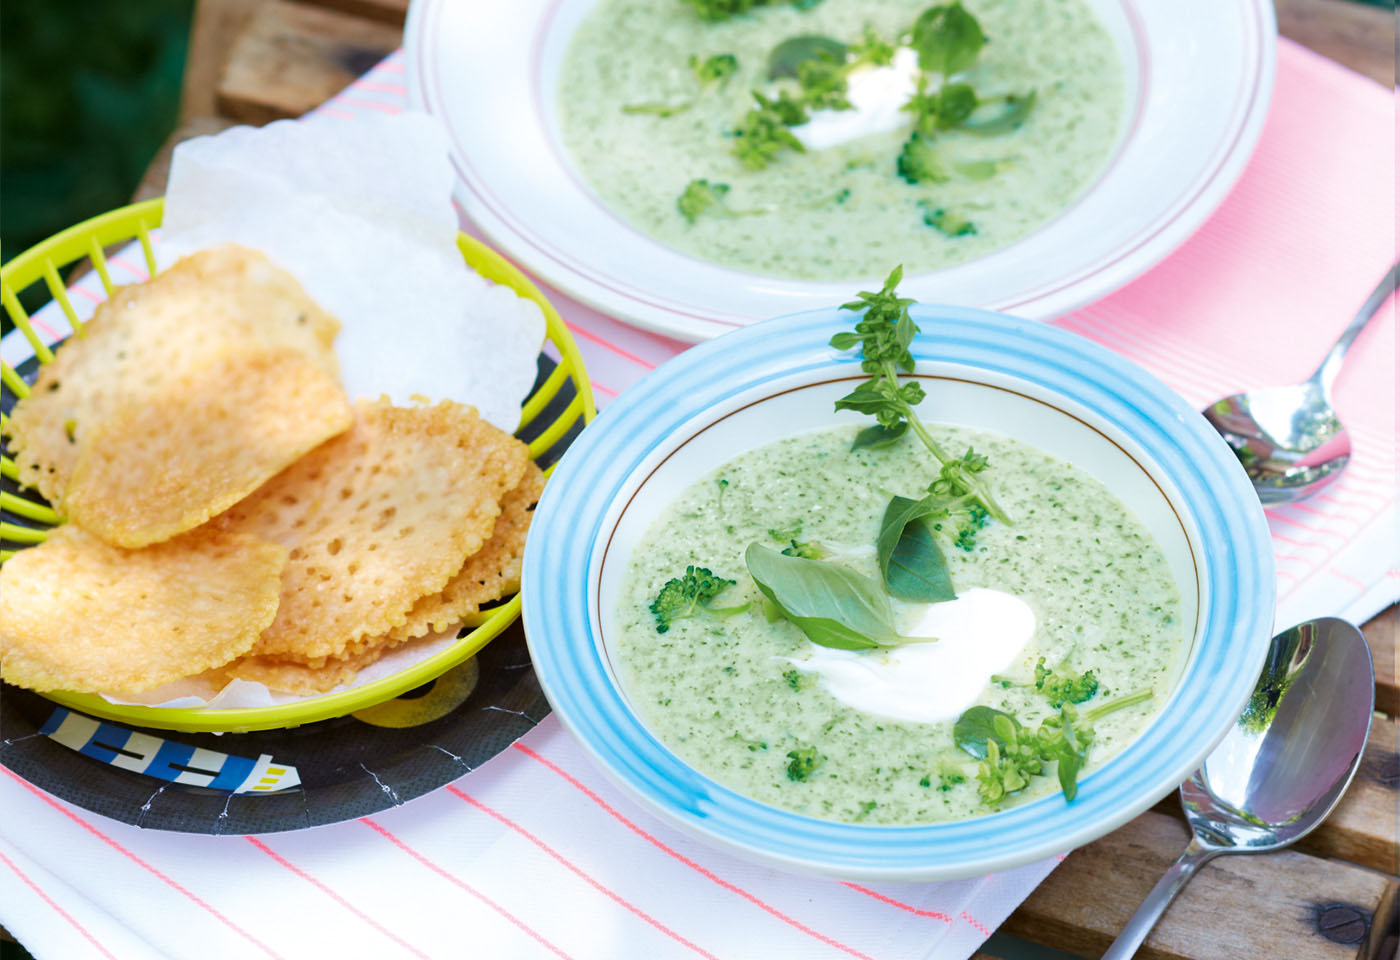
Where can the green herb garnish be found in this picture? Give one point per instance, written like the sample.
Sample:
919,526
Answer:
690,595
1062,689
763,134
726,9
798,680
1011,754
948,224
700,196
811,551
802,762
910,560
948,39
871,49
753,745
785,59
714,70
789,532
884,334
1015,109
919,162
948,107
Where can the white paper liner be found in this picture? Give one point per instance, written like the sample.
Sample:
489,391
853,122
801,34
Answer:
361,215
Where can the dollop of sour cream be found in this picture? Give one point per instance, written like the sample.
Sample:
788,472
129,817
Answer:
877,95
980,633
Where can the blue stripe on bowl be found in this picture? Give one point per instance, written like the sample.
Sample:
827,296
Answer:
1235,565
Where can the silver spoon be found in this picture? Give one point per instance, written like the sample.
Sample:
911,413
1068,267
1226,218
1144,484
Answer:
1282,767
1289,438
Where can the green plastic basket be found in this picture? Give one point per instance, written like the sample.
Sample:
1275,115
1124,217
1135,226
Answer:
561,404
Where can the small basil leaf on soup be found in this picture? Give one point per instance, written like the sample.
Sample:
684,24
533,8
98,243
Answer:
979,725
878,436
788,56
948,39
910,560
917,569
1014,111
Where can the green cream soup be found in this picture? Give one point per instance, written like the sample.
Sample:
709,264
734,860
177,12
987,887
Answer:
736,695
841,211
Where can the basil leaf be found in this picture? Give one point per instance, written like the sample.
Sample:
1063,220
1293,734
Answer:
870,397
832,604
910,560
877,436
978,725
785,57
917,570
1015,109
948,39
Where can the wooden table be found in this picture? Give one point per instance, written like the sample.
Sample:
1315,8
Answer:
1335,896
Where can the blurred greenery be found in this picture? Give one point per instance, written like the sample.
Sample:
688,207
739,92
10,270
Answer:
89,90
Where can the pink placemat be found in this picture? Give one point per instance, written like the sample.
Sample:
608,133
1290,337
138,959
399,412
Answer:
537,855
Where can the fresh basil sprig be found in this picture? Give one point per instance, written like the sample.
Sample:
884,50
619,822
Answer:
1011,754
884,334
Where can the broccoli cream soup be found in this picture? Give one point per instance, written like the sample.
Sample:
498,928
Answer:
853,634
825,141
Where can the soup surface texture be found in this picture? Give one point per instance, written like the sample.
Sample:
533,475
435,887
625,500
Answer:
736,696
841,211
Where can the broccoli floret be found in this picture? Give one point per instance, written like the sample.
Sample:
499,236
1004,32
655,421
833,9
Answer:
802,762
948,224
716,69
689,595
1064,689
699,196
919,162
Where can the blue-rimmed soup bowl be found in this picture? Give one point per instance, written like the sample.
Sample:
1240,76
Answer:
1037,384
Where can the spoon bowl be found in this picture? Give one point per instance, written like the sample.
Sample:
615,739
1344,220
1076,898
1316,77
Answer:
1282,767
1289,439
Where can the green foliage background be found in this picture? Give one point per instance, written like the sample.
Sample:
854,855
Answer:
88,92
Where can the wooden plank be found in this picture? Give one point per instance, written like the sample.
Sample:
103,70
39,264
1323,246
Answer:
215,27
1359,36
1381,633
1363,828
1285,904
292,57
385,11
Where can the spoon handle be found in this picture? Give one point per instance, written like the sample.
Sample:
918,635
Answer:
1142,921
1332,363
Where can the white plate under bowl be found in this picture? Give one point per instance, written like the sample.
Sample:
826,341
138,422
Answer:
1199,77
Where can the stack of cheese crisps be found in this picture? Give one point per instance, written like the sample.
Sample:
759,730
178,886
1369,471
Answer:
230,510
